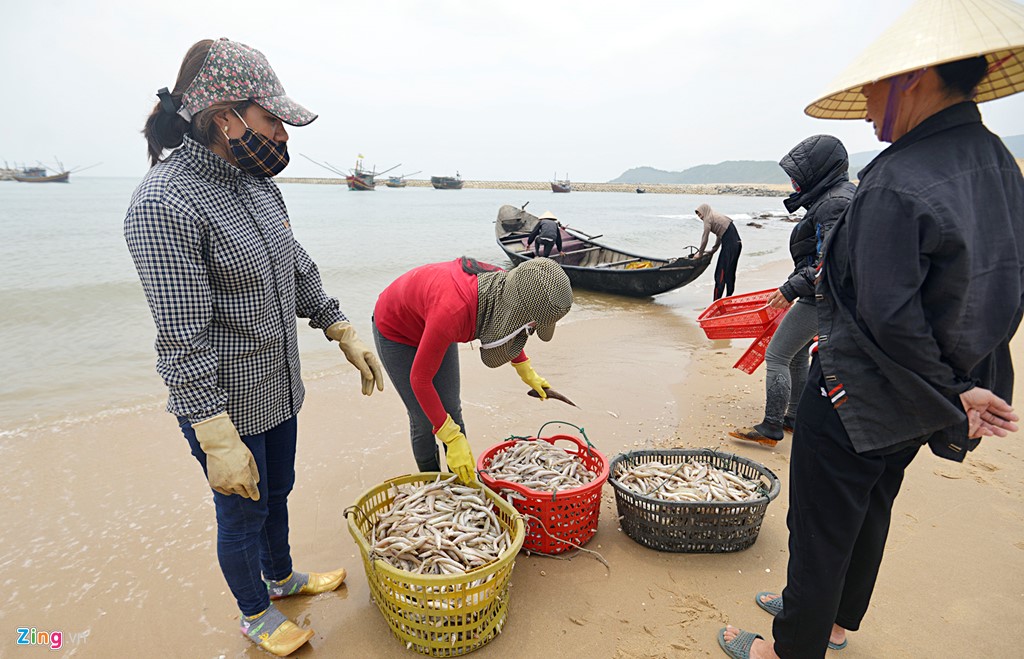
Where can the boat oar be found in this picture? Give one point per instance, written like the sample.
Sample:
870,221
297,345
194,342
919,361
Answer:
552,394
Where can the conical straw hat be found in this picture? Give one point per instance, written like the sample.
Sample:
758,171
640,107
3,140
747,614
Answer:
934,32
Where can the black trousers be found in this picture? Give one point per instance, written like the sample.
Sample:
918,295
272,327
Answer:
725,268
840,504
543,247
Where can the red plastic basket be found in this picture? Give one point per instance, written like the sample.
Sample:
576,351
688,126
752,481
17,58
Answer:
566,519
754,355
744,316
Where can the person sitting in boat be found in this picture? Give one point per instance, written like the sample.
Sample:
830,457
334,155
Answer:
547,233
422,315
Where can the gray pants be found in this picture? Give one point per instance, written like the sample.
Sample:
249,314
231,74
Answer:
786,361
397,359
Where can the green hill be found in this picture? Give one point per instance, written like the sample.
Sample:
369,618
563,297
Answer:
757,171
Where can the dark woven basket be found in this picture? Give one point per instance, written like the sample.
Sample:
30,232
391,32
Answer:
692,527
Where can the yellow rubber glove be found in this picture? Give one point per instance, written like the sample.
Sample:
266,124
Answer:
230,467
459,456
358,354
530,377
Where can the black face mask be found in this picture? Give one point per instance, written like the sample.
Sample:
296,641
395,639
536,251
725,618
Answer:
258,155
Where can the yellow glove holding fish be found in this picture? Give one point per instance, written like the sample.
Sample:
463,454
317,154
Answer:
530,377
230,467
459,455
358,354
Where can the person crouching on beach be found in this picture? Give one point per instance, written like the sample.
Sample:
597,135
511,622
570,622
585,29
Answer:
547,233
818,168
225,279
919,296
726,237
421,317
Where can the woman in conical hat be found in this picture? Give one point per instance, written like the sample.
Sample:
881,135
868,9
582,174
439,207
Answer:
919,294
421,317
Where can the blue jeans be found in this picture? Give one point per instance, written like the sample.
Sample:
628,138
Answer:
252,536
397,359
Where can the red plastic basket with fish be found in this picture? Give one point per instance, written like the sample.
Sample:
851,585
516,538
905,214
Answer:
744,316
556,521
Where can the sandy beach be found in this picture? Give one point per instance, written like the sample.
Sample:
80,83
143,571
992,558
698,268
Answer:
109,535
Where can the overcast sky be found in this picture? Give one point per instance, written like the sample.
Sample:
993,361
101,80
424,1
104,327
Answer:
496,90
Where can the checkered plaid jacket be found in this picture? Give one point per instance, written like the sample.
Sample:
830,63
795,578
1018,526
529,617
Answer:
225,279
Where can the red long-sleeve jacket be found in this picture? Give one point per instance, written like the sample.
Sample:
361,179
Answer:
429,308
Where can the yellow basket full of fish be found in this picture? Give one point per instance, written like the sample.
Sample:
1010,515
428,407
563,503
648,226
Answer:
438,557
691,500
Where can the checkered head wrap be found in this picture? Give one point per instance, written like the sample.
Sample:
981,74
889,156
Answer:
536,291
235,72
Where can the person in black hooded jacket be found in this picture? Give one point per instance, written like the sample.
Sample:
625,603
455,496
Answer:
818,168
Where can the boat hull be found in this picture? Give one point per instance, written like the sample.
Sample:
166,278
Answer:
445,183
56,178
561,187
597,267
360,183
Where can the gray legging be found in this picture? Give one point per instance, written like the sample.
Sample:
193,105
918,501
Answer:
786,361
397,360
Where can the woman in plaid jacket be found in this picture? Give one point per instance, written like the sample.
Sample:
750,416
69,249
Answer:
225,280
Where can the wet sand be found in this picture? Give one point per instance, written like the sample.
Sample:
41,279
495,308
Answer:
109,537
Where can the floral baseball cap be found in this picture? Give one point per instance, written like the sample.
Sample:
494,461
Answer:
235,72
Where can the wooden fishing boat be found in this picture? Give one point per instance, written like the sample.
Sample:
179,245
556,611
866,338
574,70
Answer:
595,266
446,182
358,178
363,179
39,175
562,185
398,181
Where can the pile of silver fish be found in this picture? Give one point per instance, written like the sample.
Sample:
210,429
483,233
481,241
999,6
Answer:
691,480
441,527
540,466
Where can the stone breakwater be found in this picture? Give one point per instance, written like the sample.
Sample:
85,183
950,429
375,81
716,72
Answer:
742,189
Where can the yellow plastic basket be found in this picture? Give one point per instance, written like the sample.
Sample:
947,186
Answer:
437,615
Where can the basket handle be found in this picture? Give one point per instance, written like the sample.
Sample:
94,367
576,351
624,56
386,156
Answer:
590,446
359,510
516,487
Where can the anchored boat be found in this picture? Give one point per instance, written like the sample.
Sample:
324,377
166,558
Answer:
595,266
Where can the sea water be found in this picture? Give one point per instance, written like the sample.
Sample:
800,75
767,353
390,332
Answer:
76,335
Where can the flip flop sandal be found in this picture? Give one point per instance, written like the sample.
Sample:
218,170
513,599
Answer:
739,647
751,435
774,607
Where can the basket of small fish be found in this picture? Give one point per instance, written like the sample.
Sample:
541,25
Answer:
555,482
438,557
691,500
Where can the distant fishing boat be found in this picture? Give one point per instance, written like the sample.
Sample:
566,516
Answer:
398,181
362,179
39,174
7,173
562,185
357,178
447,182
640,190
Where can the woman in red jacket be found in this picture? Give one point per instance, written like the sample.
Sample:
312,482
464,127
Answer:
422,315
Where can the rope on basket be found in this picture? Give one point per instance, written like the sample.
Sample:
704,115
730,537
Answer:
597,555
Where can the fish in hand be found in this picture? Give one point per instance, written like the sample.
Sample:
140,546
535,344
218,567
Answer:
552,394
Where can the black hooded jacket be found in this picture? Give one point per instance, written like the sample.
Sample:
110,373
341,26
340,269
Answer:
923,285
819,165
